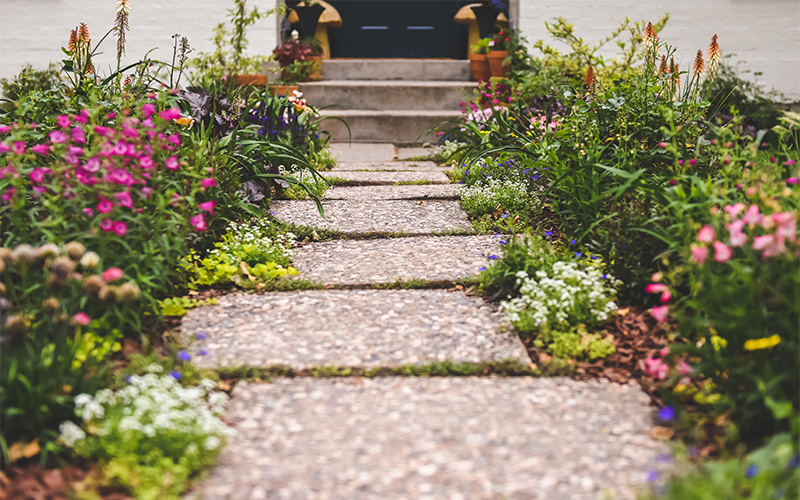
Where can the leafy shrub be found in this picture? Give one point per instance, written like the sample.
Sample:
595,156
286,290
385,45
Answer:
151,436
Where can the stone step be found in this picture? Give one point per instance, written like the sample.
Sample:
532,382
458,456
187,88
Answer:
397,69
396,126
468,438
412,217
405,192
388,166
363,262
349,328
387,95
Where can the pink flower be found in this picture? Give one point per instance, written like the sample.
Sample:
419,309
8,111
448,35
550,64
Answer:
88,211
120,228
124,198
738,238
734,209
81,319
40,190
721,252
207,206
41,149
4,148
751,216
660,312
146,191
174,139
789,163
80,118
793,180
656,368
4,128
199,222
655,288
148,110
111,116
120,148
112,274
170,114
103,131
58,137
37,174
105,207
692,162
706,234
106,225
18,148
8,194
130,133
683,367
63,121
172,163
92,165
207,183
145,162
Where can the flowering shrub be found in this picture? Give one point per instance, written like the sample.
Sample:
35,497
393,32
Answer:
152,435
62,317
117,184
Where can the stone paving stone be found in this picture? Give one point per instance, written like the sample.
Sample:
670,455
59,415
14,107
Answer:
390,177
388,260
388,166
359,217
408,192
350,328
470,438
355,151
406,153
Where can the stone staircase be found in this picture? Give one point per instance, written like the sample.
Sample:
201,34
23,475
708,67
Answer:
389,100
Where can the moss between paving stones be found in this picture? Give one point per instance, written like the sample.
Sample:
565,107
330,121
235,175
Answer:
411,284
422,182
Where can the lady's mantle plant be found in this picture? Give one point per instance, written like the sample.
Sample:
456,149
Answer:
152,435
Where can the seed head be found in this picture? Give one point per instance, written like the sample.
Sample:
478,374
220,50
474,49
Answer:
50,305
24,254
108,294
62,267
48,251
93,284
75,250
662,68
589,79
15,324
129,292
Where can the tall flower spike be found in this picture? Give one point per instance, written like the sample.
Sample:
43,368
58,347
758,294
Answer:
73,41
83,35
676,74
713,55
699,65
121,25
649,38
662,69
589,79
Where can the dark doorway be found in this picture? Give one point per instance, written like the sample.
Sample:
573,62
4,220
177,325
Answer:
399,28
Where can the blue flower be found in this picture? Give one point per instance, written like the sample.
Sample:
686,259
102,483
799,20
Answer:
504,215
493,257
203,352
271,212
572,241
201,336
751,471
578,254
594,257
128,379
184,356
175,375
482,268
605,276
548,233
794,462
664,457
652,476
666,414
503,242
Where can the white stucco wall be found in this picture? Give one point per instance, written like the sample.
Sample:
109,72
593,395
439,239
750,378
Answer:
763,33
33,31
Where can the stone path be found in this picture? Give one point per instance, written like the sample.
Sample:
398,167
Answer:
401,437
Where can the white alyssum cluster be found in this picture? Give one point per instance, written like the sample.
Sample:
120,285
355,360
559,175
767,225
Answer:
493,192
252,234
150,406
568,293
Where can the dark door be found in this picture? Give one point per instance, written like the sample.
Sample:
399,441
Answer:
399,28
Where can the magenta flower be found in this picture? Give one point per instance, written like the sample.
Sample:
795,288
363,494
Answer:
174,139
120,148
8,194
789,163
145,162
721,252
199,222
103,131
172,163
81,319
207,206
80,118
18,148
63,121
130,133
37,174
58,137
120,228
105,207
692,162
4,128
42,149
88,211
124,198
146,192
706,234
656,368
734,209
106,225
207,183
4,148
751,216
793,180
683,367
92,165
148,110
39,190
112,274
170,114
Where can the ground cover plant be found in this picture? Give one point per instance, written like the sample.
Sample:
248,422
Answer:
691,207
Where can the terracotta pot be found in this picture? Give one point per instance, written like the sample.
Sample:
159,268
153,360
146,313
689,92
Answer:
282,90
496,58
260,80
480,67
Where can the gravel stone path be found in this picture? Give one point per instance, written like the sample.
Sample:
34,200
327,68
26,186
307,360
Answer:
389,166
365,328
436,438
377,177
388,260
359,217
410,192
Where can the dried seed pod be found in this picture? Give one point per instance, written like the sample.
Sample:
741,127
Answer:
2,265
129,292
93,284
23,254
48,251
63,267
50,305
54,280
108,294
90,260
15,324
75,250
5,255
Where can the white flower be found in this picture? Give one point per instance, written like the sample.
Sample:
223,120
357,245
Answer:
154,368
212,443
70,433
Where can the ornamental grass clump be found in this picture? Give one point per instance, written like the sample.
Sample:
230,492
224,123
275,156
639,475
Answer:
151,436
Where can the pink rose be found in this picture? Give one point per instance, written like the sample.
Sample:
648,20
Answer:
706,234
721,252
112,274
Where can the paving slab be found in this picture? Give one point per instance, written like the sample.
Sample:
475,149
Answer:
365,328
435,438
388,166
402,192
406,153
363,152
390,177
352,262
359,217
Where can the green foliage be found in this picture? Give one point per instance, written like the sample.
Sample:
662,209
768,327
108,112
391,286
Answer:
26,82
179,306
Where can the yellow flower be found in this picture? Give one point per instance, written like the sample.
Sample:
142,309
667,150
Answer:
718,342
765,343
184,121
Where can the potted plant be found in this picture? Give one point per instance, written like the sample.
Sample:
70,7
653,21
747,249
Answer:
498,53
308,16
298,61
478,60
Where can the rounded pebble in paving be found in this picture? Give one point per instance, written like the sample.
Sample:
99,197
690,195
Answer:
436,438
388,260
390,177
389,166
350,328
410,192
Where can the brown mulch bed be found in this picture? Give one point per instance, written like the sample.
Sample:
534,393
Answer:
31,482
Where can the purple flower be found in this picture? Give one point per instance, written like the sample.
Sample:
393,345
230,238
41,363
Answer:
751,471
666,414
503,242
652,476
203,352
184,356
605,276
578,254
201,336
482,268
175,375
493,257
572,241
794,462
548,233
